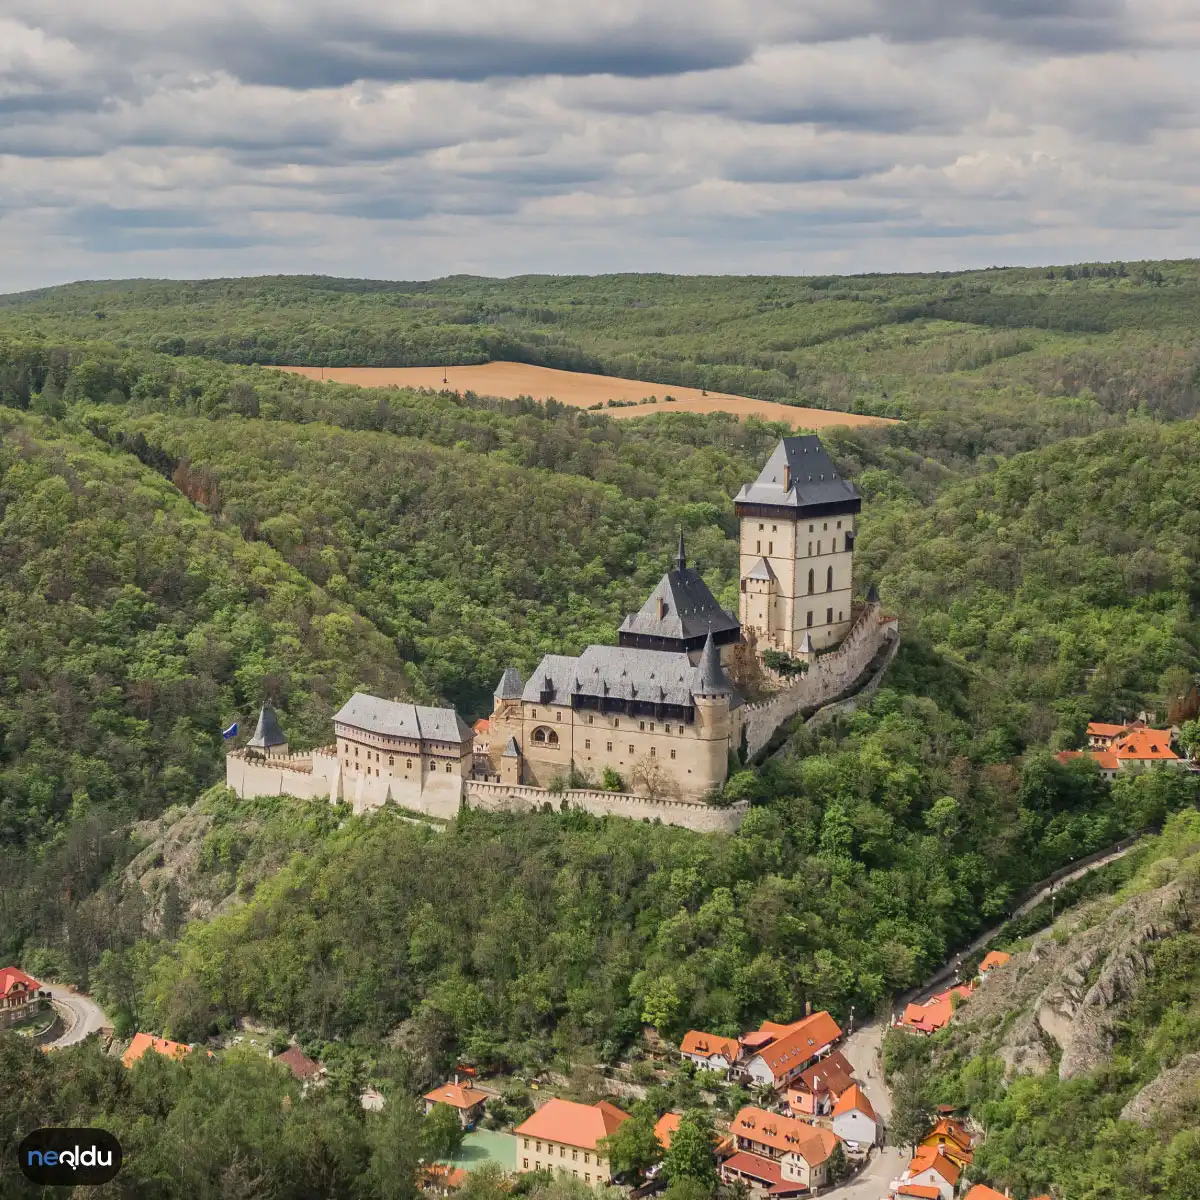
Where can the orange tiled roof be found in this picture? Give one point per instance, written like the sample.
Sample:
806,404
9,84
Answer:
785,1134
483,725
994,958
923,1191
936,1012
854,1098
927,1157
833,1073
667,1124
1100,729
10,977
581,1125
802,1041
1152,745
708,1044
981,1191
954,1130
299,1063
456,1095
147,1041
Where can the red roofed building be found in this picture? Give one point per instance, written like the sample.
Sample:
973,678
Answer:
665,1126
794,1048
935,1013
916,1191
931,1168
981,1191
801,1151
563,1135
952,1138
20,996
817,1088
854,1119
300,1065
466,1101
442,1179
709,1051
1101,735
1116,748
991,960
143,1042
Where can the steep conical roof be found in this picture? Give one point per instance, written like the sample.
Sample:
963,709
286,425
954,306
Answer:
267,732
872,595
510,686
681,555
806,646
711,679
512,750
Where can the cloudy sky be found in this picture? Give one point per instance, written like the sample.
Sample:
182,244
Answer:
425,137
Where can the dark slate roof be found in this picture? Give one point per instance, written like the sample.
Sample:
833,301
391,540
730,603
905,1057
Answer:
512,750
622,673
813,477
267,732
689,607
872,595
711,679
510,685
392,718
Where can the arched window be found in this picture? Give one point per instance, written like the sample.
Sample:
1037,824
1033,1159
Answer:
545,737
539,735
552,738
391,760
812,581
829,580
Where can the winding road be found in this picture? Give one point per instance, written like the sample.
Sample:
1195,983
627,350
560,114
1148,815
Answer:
81,1015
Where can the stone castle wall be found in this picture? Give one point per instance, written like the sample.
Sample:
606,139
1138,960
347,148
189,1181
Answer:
828,677
701,818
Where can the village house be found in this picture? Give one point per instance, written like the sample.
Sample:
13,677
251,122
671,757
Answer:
991,960
20,996
301,1066
467,1101
1115,748
934,1013
981,1191
952,1139
931,1168
708,1051
143,1043
818,1088
563,1136
778,1155
854,1120
438,1179
787,1049
665,1126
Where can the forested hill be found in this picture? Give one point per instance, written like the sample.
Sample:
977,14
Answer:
184,536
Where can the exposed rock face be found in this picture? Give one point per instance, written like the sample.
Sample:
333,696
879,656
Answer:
1069,987
1175,1088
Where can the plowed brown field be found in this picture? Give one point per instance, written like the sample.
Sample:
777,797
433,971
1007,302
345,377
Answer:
509,380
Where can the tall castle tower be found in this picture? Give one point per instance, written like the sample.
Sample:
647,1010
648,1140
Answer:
798,521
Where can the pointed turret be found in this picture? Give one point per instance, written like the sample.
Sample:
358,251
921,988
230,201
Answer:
872,595
268,737
806,646
510,685
711,679
681,554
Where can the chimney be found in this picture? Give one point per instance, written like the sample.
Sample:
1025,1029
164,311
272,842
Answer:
787,479
808,1008
662,608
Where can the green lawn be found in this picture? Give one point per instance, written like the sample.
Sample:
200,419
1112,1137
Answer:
485,1145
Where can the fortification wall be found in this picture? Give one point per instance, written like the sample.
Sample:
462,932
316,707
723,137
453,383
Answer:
702,818
828,677
288,776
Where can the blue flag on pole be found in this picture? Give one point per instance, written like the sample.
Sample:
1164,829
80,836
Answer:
230,732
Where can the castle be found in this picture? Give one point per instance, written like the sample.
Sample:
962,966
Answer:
656,719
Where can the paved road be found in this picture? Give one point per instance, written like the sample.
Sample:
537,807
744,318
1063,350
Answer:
81,1015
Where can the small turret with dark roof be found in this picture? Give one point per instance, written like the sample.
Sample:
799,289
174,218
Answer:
510,686
268,737
711,679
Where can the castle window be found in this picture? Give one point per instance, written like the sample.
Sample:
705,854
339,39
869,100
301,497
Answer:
667,728
758,547
810,620
829,616
774,528
811,581
376,772
642,726
825,526
630,749
591,720
672,753
539,735
391,760
533,713
609,745
810,546
818,545
651,726
653,752
616,722
587,745
770,547
829,580
839,616
558,716
408,764
760,527
810,529
355,751
839,524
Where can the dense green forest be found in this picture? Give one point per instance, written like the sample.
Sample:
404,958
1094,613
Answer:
186,532
1071,1135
